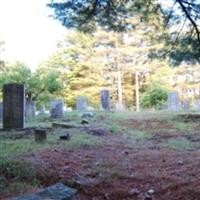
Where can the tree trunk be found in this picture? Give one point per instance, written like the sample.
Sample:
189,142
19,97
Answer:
137,93
119,79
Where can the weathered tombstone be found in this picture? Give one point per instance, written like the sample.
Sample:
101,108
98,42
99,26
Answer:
105,99
196,106
81,103
57,109
186,106
13,106
173,102
40,135
1,111
42,110
119,106
30,110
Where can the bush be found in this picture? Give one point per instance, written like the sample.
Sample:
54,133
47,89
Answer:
154,97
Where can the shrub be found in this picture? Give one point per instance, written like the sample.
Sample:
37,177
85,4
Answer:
154,97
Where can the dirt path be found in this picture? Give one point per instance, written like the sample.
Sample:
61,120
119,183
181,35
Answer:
117,172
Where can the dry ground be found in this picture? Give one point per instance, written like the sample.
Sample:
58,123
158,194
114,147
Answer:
140,156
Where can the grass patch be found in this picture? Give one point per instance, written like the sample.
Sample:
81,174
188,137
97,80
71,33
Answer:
11,148
183,126
16,176
137,134
180,144
83,139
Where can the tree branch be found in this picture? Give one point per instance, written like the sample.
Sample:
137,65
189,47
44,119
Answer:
184,9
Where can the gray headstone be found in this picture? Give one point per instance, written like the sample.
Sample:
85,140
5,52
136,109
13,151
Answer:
173,102
1,111
30,110
105,99
57,109
196,106
186,106
42,110
13,106
81,103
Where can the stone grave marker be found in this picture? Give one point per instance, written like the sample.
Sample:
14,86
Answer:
29,110
81,103
173,102
186,105
40,135
196,106
57,108
105,99
13,106
119,106
42,110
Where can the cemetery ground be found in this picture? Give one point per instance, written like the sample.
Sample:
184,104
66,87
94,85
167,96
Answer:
116,156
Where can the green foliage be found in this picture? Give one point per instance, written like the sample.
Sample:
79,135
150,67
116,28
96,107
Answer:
17,176
116,14
155,97
40,86
107,13
76,63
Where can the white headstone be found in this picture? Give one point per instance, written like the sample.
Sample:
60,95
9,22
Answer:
196,106
173,102
81,103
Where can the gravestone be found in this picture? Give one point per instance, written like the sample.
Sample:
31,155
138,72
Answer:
57,108
105,99
196,106
81,103
13,106
42,110
186,106
30,110
173,102
119,106
1,111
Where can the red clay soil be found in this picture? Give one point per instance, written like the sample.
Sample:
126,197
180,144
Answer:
117,172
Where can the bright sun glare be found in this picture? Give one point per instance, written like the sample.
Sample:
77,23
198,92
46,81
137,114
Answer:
29,34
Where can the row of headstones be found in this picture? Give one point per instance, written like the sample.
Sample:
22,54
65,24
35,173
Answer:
175,105
15,109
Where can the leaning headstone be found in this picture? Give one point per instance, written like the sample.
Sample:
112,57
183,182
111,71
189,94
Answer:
57,109
105,99
13,106
173,102
196,106
1,111
55,192
186,106
30,110
81,103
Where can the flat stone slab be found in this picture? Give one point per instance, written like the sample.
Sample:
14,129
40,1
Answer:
63,125
55,192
